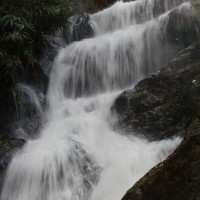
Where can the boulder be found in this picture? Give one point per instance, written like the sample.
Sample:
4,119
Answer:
166,105
80,28
162,105
176,178
8,146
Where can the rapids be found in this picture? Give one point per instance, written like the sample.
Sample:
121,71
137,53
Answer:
78,154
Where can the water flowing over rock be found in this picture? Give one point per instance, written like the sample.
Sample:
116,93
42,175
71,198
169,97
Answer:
9,146
176,178
79,154
98,61
80,28
54,44
9,108
162,105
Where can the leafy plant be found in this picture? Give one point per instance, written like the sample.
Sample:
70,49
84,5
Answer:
23,24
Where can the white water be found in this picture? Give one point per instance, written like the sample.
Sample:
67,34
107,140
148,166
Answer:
29,91
79,156
113,60
122,15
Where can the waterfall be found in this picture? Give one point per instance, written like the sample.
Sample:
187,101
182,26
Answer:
33,98
79,155
122,15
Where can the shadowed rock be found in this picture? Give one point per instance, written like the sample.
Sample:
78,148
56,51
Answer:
176,178
80,28
162,105
9,146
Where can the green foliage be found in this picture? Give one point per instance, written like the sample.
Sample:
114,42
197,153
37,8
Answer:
16,41
51,14
23,24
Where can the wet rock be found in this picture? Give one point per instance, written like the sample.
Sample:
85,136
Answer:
34,76
88,169
24,72
8,146
53,44
16,107
162,105
176,178
7,111
80,28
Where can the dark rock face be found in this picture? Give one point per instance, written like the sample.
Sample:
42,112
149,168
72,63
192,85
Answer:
80,28
162,105
176,178
10,103
34,76
7,112
53,44
183,28
92,6
9,146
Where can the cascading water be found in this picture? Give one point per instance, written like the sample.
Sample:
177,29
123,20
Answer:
79,156
117,59
33,98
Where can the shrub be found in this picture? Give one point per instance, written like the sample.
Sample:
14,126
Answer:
23,24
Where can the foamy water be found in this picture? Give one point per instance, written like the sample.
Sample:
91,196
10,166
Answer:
79,155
